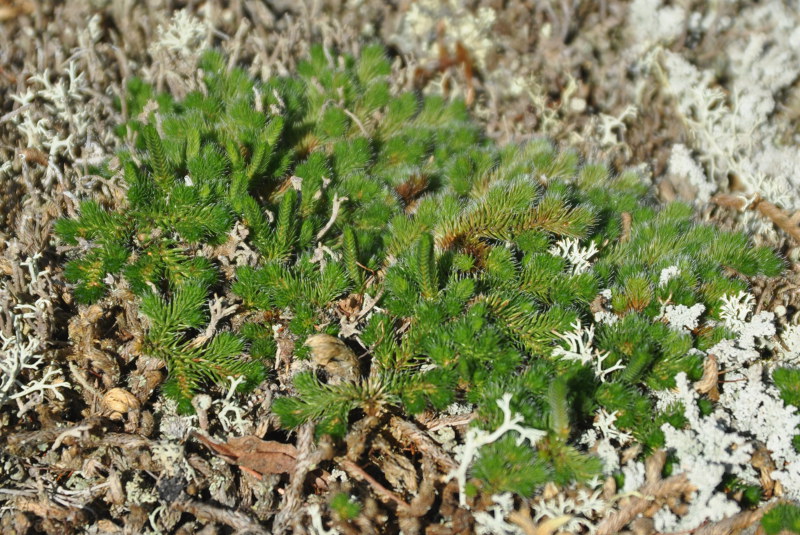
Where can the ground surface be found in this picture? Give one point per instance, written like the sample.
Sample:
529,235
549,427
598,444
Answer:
581,73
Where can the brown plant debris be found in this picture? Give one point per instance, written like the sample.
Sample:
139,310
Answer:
252,454
790,224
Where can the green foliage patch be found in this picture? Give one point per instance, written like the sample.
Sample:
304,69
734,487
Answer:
345,189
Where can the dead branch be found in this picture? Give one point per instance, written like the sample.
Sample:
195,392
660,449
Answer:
356,438
240,522
733,524
383,493
21,443
627,222
651,492
407,432
786,223
424,499
449,421
308,458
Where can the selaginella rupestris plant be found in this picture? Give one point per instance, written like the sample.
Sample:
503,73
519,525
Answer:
509,272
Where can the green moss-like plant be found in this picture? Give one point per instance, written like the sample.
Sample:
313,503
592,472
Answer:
783,518
345,188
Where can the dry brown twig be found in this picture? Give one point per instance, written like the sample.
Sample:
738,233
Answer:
522,518
650,492
308,457
627,221
733,524
411,520
424,499
23,443
449,421
240,522
382,492
655,489
789,224
407,432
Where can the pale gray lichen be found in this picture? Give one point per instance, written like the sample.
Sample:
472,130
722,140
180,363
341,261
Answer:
21,356
419,31
477,438
706,450
580,349
681,317
493,521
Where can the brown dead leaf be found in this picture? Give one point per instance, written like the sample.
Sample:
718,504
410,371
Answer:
522,518
412,188
34,156
708,384
350,306
11,9
254,455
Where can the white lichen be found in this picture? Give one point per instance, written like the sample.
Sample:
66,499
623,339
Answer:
740,128
20,361
570,249
667,274
317,527
706,449
606,440
230,412
650,22
493,521
580,349
683,166
477,438
573,514
751,329
681,317
185,35
757,410
790,350
427,23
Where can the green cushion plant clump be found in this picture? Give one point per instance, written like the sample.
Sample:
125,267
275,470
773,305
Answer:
483,260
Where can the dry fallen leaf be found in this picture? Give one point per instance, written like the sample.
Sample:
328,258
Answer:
11,9
254,455
350,306
335,357
120,400
36,156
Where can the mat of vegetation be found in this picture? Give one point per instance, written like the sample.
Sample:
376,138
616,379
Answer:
277,287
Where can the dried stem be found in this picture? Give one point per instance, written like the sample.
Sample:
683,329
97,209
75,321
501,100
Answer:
627,222
410,433
383,493
357,121
733,524
240,522
424,499
337,204
449,421
308,458
673,486
773,213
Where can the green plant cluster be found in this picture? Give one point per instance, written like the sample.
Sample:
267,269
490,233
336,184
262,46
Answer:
452,232
783,518
787,381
